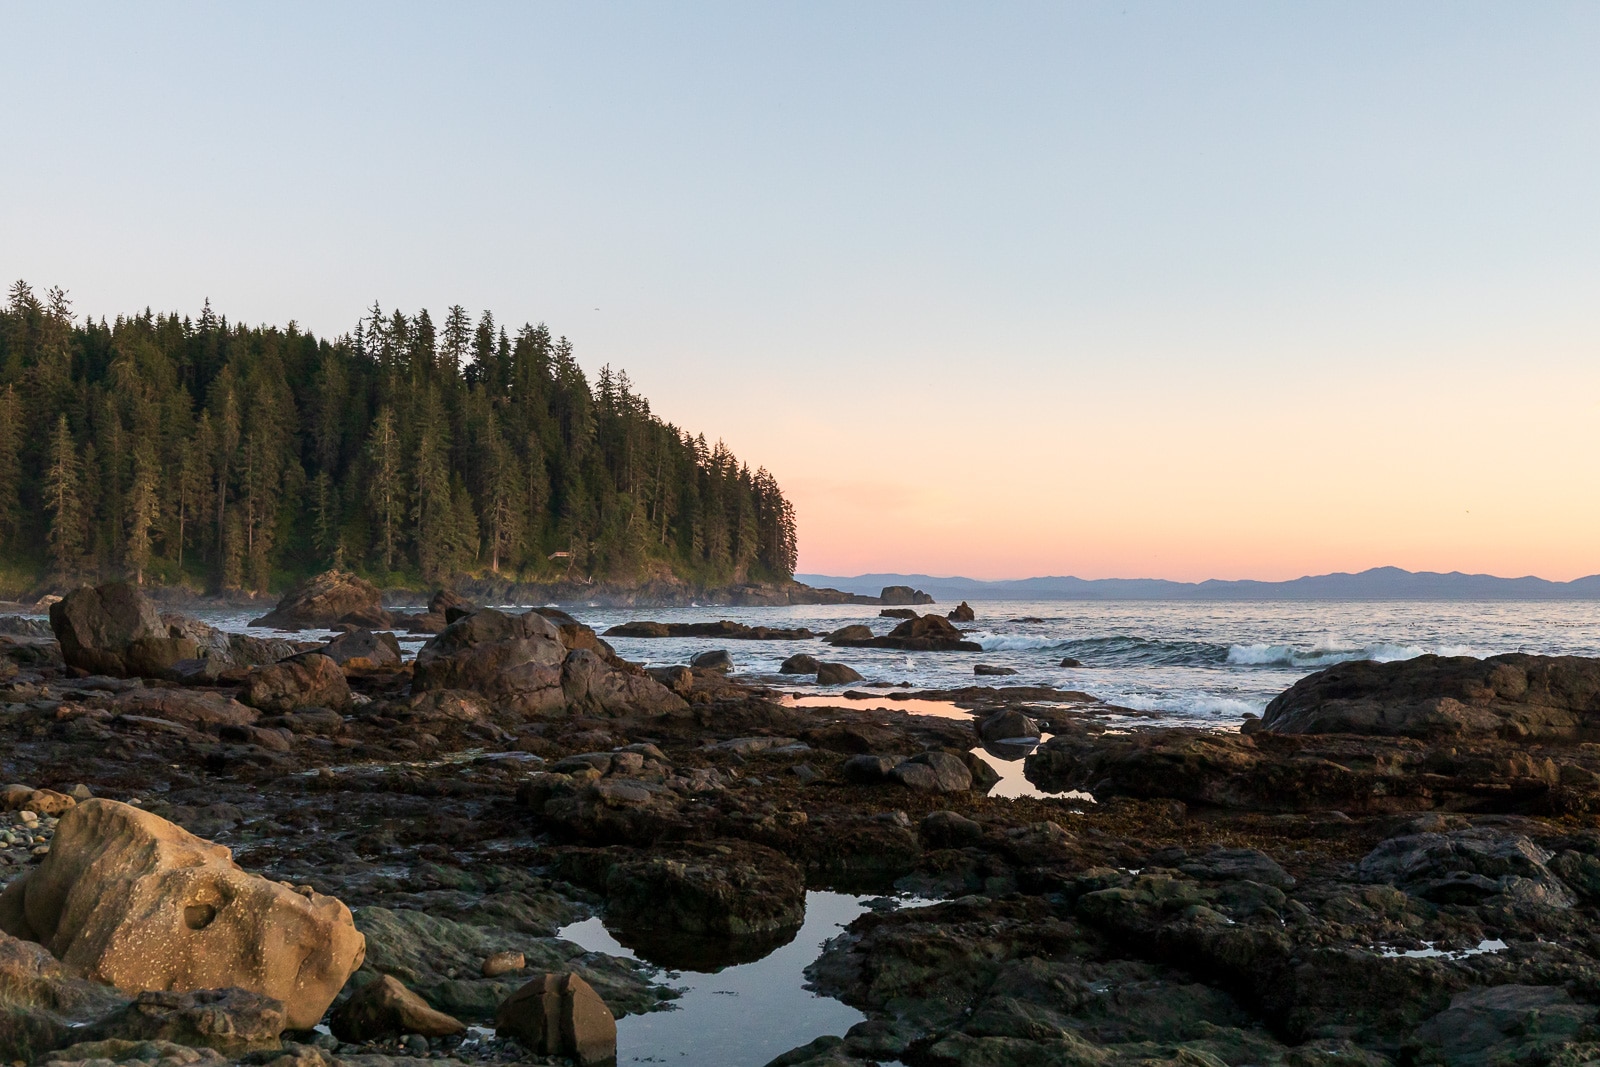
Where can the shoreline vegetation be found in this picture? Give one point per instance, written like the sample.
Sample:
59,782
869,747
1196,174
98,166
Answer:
233,460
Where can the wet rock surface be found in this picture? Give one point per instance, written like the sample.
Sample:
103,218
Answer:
1235,898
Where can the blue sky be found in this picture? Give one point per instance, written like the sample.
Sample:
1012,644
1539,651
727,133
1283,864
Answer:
1156,289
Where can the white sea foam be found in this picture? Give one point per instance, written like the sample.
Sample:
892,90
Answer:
1013,642
1192,705
1262,655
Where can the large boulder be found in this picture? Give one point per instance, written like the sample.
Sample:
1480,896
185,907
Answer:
934,772
112,629
362,650
1008,724
560,1015
575,635
127,898
514,660
591,685
309,681
836,674
324,601
218,651
800,663
384,1008
1517,697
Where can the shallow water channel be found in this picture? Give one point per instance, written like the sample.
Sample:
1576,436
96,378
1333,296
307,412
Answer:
743,1015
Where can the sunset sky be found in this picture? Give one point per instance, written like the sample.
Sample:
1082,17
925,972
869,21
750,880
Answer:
1142,290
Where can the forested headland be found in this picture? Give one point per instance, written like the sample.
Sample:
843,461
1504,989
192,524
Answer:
228,458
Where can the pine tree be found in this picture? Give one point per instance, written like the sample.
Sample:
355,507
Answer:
63,502
10,466
385,489
143,509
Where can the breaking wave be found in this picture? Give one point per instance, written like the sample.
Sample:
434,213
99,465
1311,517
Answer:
1314,658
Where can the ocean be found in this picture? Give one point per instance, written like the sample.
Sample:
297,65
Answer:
1199,661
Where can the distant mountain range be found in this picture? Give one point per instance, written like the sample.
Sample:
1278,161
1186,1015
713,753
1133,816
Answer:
1379,583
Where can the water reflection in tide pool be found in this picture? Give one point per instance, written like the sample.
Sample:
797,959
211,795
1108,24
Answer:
740,1016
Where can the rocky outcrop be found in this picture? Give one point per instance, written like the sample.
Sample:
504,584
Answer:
898,613
720,890
903,594
126,898
1517,697
800,664
521,665
233,1021
386,1008
112,629
326,600
514,660
733,631
560,1015
930,633
575,635
962,612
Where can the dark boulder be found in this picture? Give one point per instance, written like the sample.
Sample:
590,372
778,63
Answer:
715,660
560,1015
934,772
112,629
590,685
1517,697
991,670
1467,867
800,664
309,681
363,650
898,613
717,889
445,599
962,612
949,829
325,600
514,660
1008,725
836,674
847,634
386,1008
575,635
1068,661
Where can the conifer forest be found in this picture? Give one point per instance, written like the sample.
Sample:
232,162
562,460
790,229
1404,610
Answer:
221,457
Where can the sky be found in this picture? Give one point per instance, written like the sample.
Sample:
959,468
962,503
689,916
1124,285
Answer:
1141,290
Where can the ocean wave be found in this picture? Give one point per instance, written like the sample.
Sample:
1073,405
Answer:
1116,651
1193,705
1262,655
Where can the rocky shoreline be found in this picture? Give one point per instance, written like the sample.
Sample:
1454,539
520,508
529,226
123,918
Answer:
1399,864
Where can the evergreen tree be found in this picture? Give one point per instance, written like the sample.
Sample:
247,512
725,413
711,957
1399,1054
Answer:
143,509
384,487
10,467
63,502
